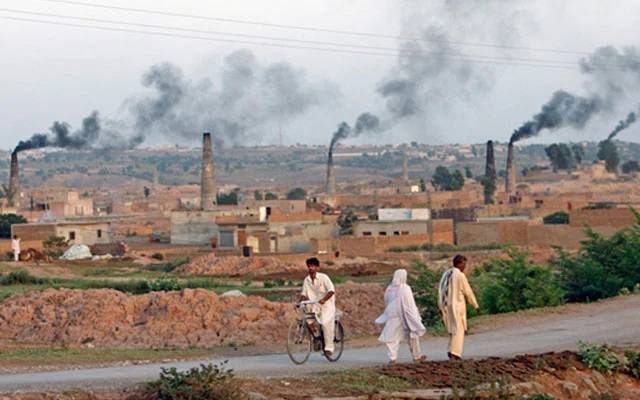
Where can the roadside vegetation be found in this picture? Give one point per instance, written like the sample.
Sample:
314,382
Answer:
603,267
443,247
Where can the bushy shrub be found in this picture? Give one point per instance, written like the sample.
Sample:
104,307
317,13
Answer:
164,285
206,382
584,279
167,266
425,291
21,277
558,218
513,284
600,357
604,265
55,246
632,363
157,256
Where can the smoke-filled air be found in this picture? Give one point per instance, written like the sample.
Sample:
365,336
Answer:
235,106
622,125
612,76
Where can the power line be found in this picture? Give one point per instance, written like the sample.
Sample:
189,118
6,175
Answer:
278,45
311,29
285,39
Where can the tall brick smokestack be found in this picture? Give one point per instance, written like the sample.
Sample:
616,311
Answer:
405,167
208,183
490,173
14,182
510,179
331,175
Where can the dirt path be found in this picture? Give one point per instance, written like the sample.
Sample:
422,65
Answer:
615,322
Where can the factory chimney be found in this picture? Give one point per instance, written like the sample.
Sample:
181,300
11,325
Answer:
510,179
490,172
14,182
331,175
405,167
208,183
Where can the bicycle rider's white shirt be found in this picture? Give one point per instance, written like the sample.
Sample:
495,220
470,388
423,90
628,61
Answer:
315,290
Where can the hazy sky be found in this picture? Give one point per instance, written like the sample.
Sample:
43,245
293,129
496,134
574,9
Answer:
59,73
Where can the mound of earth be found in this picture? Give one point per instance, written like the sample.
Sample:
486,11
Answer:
262,266
189,318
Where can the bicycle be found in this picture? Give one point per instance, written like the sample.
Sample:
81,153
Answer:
302,338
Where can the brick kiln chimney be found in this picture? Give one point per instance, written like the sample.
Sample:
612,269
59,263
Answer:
14,182
331,175
510,179
405,167
490,171
208,183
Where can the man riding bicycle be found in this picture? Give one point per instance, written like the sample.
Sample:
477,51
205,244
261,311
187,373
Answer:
318,287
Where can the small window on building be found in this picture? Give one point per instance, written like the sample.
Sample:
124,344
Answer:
396,233
72,235
382,233
99,233
404,232
366,233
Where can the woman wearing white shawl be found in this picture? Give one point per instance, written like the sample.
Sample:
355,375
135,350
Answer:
401,318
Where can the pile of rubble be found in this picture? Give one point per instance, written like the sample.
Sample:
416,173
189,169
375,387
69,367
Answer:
235,266
192,317
211,264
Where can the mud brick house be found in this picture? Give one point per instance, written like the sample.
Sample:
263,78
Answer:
77,232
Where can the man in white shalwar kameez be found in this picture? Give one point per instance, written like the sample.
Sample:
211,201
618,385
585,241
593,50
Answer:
453,293
401,318
318,287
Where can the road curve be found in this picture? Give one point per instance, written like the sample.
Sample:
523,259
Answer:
615,322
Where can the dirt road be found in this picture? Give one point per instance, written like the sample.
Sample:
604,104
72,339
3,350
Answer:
615,322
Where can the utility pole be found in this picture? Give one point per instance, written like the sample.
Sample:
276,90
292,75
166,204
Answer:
430,225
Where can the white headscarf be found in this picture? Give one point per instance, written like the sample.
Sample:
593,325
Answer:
399,277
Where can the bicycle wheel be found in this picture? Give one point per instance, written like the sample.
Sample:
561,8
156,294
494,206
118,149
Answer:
298,342
338,342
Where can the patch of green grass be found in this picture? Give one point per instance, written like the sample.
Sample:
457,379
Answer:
364,381
65,356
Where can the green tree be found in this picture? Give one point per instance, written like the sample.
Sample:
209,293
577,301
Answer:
467,172
608,152
270,196
228,198
297,194
6,220
257,195
442,179
578,152
513,284
345,222
146,191
425,291
560,155
557,218
489,184
423,185
630,166
603,266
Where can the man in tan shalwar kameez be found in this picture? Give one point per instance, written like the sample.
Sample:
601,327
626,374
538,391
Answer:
453,293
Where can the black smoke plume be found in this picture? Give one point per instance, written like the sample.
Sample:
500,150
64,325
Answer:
622,125
62,136
563,110
235,106
366,122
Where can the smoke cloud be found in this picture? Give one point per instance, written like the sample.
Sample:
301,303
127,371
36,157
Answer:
235,107
563,110
366,122
612,76
89,135
622,125
433,74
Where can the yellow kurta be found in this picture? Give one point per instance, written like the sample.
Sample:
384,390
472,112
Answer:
454,293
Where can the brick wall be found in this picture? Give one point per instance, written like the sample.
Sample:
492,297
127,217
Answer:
616,217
